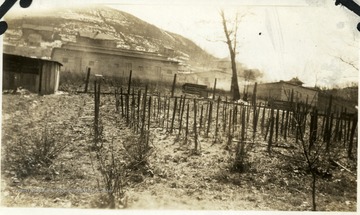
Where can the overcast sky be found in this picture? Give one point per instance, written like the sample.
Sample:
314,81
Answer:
282,38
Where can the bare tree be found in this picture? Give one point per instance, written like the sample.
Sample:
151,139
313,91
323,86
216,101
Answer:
231,42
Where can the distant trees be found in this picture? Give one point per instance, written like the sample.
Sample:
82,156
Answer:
252,74
230,35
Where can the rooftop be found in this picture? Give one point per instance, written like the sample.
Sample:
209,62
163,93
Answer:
116,51
37,27
95,35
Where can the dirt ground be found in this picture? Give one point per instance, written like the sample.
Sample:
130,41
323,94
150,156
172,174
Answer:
180,180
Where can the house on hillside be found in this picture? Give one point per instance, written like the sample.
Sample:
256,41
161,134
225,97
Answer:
115,62
35,34
95,39
282,90
34,74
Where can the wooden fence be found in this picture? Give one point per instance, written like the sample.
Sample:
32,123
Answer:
220,120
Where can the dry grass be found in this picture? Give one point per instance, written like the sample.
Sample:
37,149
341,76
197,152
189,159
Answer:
176,179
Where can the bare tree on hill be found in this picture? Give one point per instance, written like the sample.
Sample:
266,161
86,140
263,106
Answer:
230,35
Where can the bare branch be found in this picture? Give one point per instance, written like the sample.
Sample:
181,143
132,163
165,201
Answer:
349,63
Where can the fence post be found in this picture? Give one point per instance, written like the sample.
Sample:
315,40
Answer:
182,105
213,97
195,128
129,83
122,102
353,129
271,129
327,132
230,127
144,111
187,122
173,117
201,118
209,119
277,125
217,118
149,112
116,101
263,120
168,115
87,79
138,110
173,86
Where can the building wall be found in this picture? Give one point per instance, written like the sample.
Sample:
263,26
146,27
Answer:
282,91
114,65
44,35
50,77
95,42
269,91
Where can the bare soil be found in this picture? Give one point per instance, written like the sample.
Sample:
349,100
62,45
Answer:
180,179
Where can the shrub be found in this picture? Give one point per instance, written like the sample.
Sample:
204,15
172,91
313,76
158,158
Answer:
138,148
112,169
34,155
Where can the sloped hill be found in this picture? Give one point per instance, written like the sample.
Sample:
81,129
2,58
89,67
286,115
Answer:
129,31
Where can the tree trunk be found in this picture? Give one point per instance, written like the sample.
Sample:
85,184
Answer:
234,90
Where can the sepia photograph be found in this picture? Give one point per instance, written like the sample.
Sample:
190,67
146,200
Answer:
190,106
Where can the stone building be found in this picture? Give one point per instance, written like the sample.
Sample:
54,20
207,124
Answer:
281,91
115,62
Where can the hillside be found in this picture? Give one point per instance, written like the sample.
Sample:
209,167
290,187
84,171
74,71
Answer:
128,31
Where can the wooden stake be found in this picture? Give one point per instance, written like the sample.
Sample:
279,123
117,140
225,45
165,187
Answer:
213,97
173,117
173,86
271,130
195,128
217,118
122,102
87,79
209,119
149,113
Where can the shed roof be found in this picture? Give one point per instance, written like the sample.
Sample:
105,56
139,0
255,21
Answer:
6,55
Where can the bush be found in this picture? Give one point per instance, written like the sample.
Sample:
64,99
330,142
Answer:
138,148
112,169
34,155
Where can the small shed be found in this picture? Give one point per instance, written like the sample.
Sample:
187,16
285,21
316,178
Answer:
34,74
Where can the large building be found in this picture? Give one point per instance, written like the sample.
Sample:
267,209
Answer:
115,62
282,90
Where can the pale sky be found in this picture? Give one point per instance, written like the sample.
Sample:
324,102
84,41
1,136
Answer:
303,38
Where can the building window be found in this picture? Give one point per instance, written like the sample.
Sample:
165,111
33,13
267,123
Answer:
91,63
128,66
158,69
65,60
116,65
141,68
